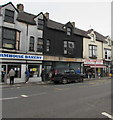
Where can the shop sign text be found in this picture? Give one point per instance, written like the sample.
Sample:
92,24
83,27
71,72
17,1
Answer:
20,56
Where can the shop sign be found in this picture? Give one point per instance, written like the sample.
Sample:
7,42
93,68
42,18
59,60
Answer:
20,56
90,61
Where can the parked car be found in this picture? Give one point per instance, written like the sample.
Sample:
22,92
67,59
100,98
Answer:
67,76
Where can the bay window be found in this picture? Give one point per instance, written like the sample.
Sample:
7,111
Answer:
10,39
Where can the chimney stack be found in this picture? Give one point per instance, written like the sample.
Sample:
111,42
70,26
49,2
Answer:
73,23
47,15
20,7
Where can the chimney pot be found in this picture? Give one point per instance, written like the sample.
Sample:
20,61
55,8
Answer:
73,23
20,7
47,15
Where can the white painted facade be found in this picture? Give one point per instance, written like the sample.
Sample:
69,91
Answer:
100,56
26,30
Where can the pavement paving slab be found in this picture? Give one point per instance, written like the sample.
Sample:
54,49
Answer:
4,85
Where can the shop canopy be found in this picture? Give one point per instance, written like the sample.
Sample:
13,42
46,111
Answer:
95,65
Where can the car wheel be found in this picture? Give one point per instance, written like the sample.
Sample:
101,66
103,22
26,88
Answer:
56,82
76,80
64,81
81,80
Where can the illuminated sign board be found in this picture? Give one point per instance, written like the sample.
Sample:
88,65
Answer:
20,56
91,61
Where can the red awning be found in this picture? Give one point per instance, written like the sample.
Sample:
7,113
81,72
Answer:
95,65
98,66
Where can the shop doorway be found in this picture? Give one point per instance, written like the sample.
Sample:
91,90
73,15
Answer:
4,72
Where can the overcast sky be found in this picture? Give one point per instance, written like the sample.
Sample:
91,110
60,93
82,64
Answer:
86,15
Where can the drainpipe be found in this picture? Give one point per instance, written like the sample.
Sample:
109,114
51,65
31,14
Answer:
103,58
27,44
95,70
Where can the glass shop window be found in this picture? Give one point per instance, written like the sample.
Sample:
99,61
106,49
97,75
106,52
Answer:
34,70
17,69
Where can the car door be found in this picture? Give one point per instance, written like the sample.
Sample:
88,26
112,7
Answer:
71,75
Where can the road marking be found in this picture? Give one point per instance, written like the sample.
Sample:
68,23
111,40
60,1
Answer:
61,88
37,94
24,96
18,87
107,115
92,83
45,86
9,98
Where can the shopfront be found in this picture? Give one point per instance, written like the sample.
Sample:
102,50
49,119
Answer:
62,63
19,62
94,68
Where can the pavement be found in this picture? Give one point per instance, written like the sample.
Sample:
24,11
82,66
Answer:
4,85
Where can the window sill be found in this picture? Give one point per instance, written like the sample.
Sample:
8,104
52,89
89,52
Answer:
93,57
35,52
11,50
9,22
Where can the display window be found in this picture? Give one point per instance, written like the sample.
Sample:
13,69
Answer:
3,71
34,70
17,69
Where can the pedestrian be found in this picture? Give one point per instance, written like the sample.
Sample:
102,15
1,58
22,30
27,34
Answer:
3,76
27,73
78,71
43,74
52,74
11,75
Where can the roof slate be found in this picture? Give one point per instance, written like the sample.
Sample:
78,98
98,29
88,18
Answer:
99,37
29,18
59,26
26,17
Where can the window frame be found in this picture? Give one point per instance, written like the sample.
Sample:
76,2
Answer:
7,33
67,47
40,45
92,51
69,31
40,24
109,42
8,17
17,40
48,43
31,43
107,53
92,37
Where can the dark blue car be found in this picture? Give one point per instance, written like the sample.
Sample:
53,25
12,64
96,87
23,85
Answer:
67,76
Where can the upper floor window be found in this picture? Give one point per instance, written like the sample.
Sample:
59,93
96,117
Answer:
17,40
68,31
65,47
69,47
92,51
31,44
109,42
48,45
39,45
92,37
9,16
40,24
10,39
107,54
